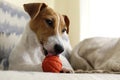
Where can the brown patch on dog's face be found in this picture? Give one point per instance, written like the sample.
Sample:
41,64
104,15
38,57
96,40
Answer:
45,22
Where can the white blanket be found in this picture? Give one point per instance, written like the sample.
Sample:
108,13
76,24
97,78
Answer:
14,75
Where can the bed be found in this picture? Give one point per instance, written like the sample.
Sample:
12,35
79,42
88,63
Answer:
14,75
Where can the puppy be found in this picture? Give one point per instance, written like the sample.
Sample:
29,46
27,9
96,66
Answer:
97,54
47,31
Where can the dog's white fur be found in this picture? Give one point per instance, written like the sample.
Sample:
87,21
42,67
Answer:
97,54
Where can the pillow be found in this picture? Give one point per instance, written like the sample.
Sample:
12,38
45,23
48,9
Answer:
12,22
13,19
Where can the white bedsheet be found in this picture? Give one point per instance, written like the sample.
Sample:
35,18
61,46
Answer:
14,75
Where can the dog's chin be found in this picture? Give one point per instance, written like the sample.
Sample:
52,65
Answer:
47,52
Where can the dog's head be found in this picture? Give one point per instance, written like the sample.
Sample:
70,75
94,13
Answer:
50,27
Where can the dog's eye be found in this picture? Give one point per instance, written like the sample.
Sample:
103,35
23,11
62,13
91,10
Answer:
49,22
63,30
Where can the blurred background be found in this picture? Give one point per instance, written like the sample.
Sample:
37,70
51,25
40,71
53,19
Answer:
88,18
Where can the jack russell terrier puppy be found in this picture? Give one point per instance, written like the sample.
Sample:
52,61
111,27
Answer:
97,54
46,32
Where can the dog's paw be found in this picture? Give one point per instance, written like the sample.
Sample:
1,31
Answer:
64,70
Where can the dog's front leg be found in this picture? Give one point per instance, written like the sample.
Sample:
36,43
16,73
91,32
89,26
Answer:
26,67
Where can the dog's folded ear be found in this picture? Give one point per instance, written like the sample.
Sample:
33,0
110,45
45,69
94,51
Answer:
33,9
67,22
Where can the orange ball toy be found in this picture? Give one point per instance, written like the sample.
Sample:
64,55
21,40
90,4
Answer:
52,64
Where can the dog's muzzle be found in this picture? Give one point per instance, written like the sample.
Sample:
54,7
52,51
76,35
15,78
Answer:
58,49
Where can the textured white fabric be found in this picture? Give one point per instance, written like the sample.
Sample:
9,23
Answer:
14,75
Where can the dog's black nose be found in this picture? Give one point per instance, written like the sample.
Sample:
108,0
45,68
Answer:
58,49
